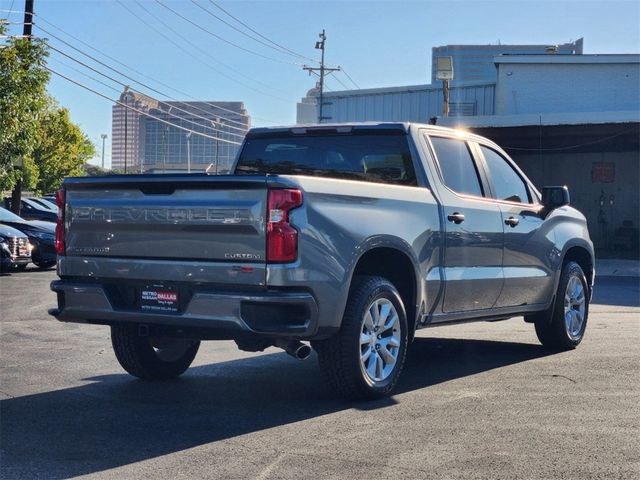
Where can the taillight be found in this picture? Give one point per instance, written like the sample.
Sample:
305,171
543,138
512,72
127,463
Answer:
282,238
60,200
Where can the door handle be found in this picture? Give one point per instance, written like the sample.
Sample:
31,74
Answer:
456,218
512,221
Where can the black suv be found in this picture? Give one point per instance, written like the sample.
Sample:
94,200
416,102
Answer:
15,253
41,236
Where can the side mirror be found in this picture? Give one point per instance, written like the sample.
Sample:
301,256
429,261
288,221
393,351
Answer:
555,197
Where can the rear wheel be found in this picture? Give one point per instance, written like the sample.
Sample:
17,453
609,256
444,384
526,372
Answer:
365,358
565,328
149,357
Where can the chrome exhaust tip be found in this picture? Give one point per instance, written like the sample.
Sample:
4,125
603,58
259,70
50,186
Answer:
295,348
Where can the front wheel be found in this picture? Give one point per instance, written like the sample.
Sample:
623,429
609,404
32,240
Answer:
365,358
565,327
152,358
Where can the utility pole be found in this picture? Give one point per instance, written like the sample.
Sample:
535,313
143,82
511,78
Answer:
321,72
445,106
104,137
16,195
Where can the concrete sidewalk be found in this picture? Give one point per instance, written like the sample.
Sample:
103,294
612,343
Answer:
617,268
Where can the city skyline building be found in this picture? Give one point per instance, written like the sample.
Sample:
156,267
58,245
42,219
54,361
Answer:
474,63
147,143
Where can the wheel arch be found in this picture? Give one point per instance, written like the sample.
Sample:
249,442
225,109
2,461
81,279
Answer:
583,256
393,261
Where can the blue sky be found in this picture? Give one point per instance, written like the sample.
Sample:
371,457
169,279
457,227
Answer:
379,43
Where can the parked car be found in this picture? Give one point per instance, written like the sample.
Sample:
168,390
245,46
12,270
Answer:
15,253
45,203
41,236
30,210
348,236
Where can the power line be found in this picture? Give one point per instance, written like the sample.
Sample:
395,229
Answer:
141,112
137,71
197,47
261,35
84,74
277,45
143,84
11,10
13,37
262,42
215,35
338,80
159,101
349,77
142,93
130,68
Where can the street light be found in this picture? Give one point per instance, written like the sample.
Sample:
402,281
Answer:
104,137
188,135
220,123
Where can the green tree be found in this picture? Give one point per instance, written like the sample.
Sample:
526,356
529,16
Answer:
61,149
94,170
23,99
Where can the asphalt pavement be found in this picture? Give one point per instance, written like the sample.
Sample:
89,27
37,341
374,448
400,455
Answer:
476,401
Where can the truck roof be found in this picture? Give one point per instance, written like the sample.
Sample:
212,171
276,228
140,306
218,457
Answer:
347,126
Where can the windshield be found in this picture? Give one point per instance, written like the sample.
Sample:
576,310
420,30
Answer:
7,216
45,203
381,158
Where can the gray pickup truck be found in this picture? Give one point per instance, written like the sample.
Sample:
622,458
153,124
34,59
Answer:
350,237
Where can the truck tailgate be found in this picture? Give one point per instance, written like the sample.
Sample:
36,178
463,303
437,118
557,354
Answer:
167,218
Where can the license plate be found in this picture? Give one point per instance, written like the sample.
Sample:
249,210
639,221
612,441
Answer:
159,299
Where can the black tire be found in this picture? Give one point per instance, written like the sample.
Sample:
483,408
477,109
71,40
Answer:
20,268
340,355
552,329
44,265
142,356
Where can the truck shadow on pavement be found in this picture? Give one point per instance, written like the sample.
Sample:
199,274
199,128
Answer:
116,420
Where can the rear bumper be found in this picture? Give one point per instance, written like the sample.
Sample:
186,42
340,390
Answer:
221,314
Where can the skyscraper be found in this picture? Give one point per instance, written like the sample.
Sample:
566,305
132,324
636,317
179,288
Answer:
142,143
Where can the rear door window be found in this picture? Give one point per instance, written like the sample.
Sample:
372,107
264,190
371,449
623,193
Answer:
457,166
374,157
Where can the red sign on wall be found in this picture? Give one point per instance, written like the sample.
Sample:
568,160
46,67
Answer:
603,172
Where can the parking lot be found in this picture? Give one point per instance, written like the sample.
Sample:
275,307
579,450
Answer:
481,400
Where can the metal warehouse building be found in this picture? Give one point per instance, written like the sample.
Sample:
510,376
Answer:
565,119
